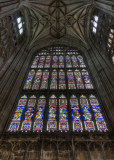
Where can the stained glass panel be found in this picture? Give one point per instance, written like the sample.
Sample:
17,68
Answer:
71,82
26,125
75,112
61,62
62,84
74,61
86,78
45,78
41,62
55,62
87,116
101,125
47,63
52,115
78,78
63,114
39,117
36,84
29,80
68,62
14,126
53,84
35,62
81,61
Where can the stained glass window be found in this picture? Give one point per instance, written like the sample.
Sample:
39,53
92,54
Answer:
59,95
62,84
45,77
75,112
28,116
39,116
53,84
101,125
37,80
15,123
29,80
52,115
71,82
87,116
63,114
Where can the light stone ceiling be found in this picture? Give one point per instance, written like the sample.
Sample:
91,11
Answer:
57,18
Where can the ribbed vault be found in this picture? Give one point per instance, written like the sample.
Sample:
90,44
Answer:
57,18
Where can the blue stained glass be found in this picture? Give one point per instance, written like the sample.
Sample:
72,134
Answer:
81,61
55,60
45,78
39,117
63,113
35,61
26,126
29,113
68,62
37,126
61,62
88,121
71,82
37,80
77,126
62,84
29,80
40,113
52,114
14,126
101,125
53,84
63,126
86,78
75,113
89,126
41,62
52,125
47,63
74,61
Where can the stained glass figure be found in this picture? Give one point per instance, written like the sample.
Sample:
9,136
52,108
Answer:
41,62
35,62
45,78
29,80
53,84
36,84
62,84
63,114
47,63
52,114
55,62
71,82
78,78
68,62
86,78
88,120
26,124
39,117
101,125
14,126
61,62
74,61
75,112
81,61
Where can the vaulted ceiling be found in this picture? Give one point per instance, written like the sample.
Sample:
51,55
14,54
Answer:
57,18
